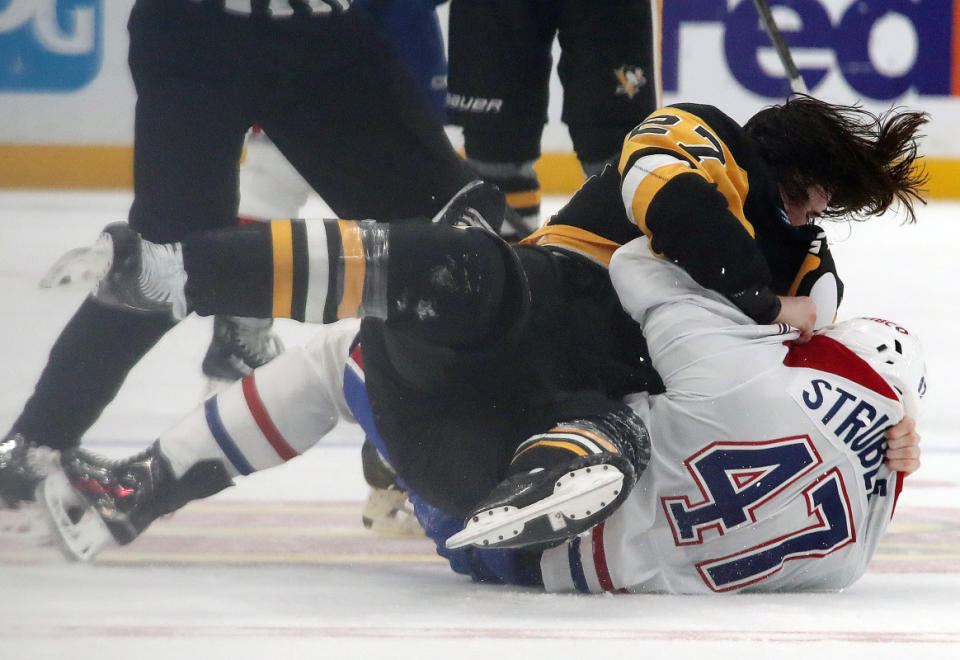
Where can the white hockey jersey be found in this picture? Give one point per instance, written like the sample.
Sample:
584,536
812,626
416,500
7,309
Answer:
767,470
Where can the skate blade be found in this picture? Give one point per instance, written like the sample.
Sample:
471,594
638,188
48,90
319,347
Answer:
76,528
578,496
79,268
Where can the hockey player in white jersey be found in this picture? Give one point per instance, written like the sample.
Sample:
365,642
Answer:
769,466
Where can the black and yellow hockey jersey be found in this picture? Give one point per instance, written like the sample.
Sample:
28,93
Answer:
690,178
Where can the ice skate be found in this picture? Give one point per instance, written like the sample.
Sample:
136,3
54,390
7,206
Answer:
95,502
387,510
477,204
559,485
239,345
139,275
518,185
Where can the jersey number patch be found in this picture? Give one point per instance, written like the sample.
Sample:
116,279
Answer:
735,480
708,147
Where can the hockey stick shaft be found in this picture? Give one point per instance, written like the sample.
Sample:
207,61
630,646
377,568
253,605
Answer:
783,52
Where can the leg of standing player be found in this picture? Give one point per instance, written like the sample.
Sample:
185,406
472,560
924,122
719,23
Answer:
500,64
610,71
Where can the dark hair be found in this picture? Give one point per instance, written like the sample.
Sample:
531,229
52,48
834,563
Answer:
865,162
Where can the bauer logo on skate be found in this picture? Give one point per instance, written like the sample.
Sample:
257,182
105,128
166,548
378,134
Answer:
879,48
50,45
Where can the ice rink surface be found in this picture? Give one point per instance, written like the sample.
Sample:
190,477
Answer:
281,567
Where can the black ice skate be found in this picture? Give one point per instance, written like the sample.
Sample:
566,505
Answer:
94,502
560,484
478,204
239,346
139,275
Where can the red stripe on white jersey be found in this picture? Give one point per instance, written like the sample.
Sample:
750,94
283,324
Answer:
826,354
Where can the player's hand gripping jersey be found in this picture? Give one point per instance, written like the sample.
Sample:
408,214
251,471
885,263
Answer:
767,470
691,180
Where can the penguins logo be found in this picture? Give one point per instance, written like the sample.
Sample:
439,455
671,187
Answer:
631,79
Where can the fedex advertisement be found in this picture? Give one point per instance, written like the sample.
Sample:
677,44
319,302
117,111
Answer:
880,49
879,53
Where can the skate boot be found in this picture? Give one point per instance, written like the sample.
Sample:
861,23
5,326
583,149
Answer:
22,467
388,510
138,275
520,187
239,345
477,204
560,484
94,502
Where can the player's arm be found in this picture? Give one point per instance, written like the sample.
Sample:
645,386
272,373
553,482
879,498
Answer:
689,223
672,167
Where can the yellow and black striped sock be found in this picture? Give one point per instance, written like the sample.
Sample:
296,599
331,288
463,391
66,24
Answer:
307,270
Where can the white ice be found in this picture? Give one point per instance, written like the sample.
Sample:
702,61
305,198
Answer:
280,566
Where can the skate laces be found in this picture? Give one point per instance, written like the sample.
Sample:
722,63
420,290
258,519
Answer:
162,276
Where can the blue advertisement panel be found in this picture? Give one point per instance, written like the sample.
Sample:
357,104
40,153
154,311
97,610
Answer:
49,45
852,32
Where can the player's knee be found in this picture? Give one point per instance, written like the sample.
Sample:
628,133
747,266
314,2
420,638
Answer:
457,288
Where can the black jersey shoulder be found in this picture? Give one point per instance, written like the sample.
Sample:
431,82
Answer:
598,207
783,246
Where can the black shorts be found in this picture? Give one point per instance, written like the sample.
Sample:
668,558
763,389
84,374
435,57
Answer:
451,419
499,72
328,90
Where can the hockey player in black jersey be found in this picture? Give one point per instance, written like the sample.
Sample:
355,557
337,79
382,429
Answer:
481,360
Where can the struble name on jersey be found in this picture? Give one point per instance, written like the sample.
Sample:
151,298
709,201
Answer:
842,410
